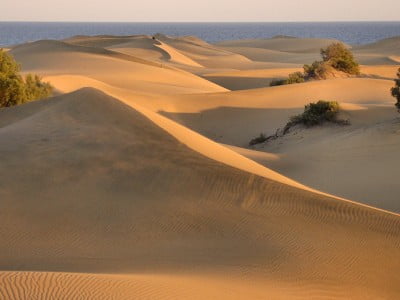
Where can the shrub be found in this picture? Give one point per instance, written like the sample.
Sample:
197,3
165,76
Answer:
277,82
317,70
335,57
315,114
296,77
396,90
340,58
36,88
14,89
258,140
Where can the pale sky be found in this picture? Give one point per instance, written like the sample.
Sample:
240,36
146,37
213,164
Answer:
200,10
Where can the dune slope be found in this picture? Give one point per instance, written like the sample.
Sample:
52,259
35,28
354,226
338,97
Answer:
119,69
121,195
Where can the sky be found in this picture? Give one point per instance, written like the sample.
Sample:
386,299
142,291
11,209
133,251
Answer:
199,10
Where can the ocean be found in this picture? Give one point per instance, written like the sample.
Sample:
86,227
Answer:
354,33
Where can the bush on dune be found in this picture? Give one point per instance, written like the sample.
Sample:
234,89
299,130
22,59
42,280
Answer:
278,82
396,90
335,58
316,114
318,70
340,58
14,89
296,77
258,140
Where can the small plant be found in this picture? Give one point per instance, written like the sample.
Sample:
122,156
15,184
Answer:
278,82
296,77
258,140
316,114
14,89
396,90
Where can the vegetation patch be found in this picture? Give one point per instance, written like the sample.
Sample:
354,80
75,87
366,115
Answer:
258,140
340,58
296,77
336,58
14,89
314,114
396,90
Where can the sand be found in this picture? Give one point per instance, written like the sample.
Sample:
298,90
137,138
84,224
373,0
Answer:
137,182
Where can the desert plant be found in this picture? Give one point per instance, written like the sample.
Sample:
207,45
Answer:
14,89
35,88
335,57
277,82
296,77
258,140
11,83
396,90
315,114
340,58
317,70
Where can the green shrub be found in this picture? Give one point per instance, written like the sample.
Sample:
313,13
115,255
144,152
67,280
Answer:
317,70
335,57
296,77
316,114
36,88
258,140
14,89
340,58
396,90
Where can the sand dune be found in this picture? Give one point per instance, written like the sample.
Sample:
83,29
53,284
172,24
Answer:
333,159
144,286
122,195
299,51
388,72
368,105
267,55
284,44
220,125
349,90
387,46
135,205
143,46
177,57
207,55
51,46
249,79
191,139
42,58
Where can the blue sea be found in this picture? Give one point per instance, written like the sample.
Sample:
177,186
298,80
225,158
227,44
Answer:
350,32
